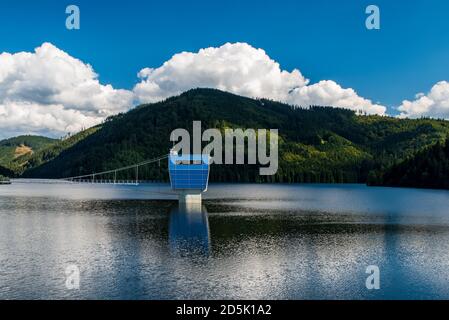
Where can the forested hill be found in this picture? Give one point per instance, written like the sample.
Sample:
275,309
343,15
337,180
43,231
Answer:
15,152
319,144
427,169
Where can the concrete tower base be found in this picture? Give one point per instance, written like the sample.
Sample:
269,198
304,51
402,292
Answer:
189,197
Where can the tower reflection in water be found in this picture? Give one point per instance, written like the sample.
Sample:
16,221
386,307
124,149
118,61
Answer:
189,229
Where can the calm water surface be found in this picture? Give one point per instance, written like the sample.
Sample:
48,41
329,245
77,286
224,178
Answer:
246,241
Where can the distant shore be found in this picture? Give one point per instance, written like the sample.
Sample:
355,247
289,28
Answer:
4,180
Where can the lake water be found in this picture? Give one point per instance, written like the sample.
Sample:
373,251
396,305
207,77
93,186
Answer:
247,241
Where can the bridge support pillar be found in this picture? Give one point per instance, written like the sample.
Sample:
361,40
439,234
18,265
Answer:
189,197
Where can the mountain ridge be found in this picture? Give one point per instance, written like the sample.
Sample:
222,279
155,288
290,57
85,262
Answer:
428,168
15,151
318,144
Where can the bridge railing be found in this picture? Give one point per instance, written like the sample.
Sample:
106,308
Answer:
120,175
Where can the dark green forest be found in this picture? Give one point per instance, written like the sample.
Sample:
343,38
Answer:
6,172
15,152
317,144
429,168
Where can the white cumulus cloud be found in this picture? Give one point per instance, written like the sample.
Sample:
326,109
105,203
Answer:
329,93
48,91
435,104
245,70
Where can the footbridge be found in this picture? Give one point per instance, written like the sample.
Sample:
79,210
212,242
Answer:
188,174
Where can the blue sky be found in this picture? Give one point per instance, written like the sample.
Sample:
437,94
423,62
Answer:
323,39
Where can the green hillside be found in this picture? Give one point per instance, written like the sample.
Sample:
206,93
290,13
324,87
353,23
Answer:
319,144
14,152
427,169
44,155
